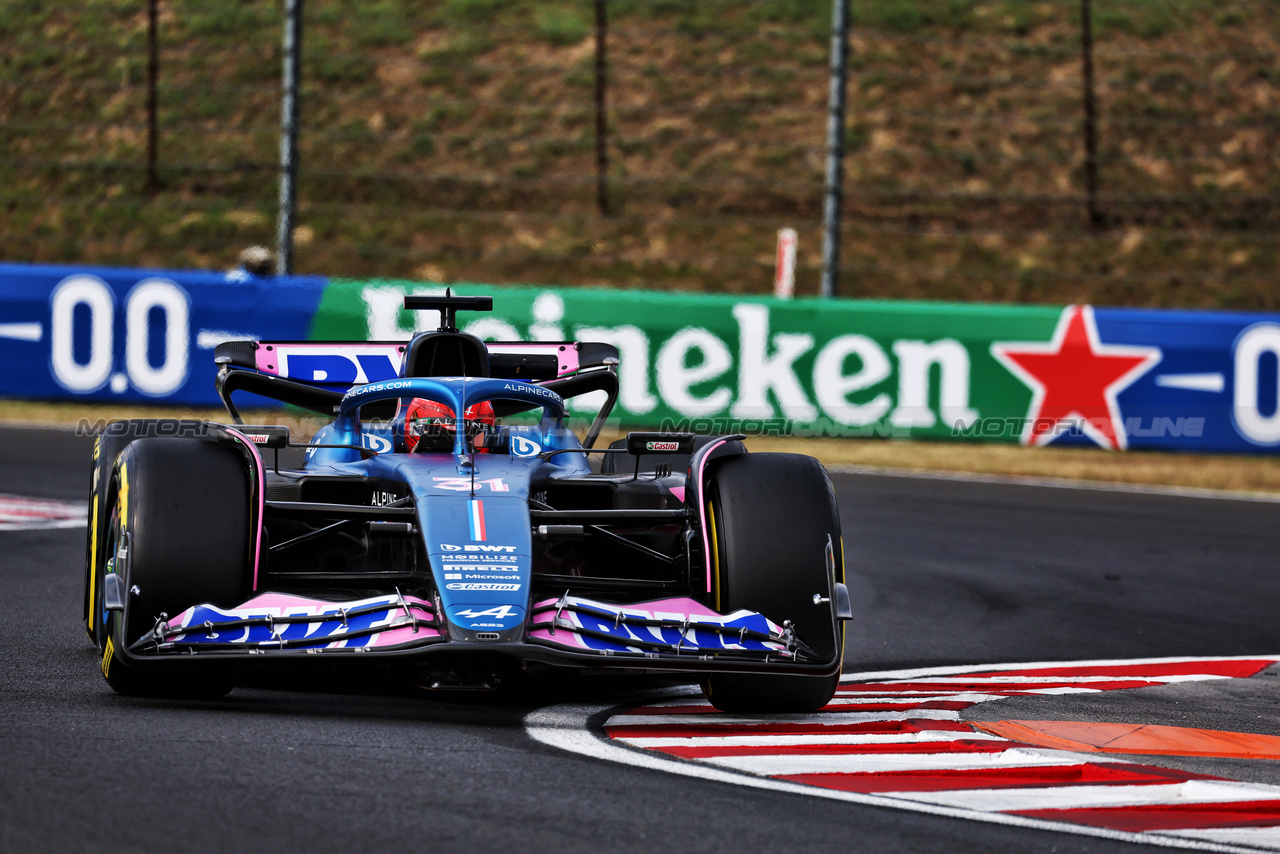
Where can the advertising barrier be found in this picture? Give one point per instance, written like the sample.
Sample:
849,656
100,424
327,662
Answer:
1105,377
132,336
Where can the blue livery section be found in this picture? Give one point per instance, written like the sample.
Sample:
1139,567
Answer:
472,509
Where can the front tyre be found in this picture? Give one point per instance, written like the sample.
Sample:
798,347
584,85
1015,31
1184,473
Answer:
179,511
113,439
770,519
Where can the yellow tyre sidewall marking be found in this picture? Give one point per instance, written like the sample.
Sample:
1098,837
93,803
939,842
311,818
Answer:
93,563
715,557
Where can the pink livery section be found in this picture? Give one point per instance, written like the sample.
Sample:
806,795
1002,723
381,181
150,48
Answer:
276,621
344,363
677,626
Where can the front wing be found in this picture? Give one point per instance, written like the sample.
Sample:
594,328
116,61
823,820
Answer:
669,634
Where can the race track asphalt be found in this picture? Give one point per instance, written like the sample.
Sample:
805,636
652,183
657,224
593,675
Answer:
941,573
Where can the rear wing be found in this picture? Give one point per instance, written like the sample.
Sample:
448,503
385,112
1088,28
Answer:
316,374
341,365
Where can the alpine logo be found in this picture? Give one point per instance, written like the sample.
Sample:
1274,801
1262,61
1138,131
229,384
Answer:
499,612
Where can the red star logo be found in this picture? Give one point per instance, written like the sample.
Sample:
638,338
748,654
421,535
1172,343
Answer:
1074,380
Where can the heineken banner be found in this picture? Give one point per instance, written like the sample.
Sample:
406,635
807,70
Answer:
1114,378
1104,377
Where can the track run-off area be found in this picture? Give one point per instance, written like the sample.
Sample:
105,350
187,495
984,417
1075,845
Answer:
1015,646
898,740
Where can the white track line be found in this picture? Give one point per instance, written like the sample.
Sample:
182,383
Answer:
1086,797
953,669
825,719
1058,483
1015,681
773,765
933,735
1252,837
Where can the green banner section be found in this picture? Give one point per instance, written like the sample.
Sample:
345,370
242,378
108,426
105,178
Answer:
720,363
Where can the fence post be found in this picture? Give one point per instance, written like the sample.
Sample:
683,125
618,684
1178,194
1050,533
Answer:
602,123
289,136
153,62
1090,117
835,148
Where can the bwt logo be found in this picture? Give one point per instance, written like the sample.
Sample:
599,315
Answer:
350,364
522,447
484,547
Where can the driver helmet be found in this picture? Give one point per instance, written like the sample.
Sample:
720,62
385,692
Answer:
429,427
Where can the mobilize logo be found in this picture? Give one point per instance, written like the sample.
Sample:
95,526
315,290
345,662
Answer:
483,547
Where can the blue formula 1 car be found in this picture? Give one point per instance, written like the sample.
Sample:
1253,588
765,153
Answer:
460,546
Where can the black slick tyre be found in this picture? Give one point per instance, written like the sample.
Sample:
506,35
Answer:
108,444
770,519
179,516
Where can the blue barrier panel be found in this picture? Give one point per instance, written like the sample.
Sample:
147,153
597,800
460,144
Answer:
94,333
1211,383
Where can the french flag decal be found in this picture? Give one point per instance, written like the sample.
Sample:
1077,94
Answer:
476,513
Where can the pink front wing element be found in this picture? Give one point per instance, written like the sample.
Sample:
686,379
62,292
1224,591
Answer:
279,605
676,610
678,492
677,607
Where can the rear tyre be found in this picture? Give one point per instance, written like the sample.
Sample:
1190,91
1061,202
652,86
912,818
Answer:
770,519
181,509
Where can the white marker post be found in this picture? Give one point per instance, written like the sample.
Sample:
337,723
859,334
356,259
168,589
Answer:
784,276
